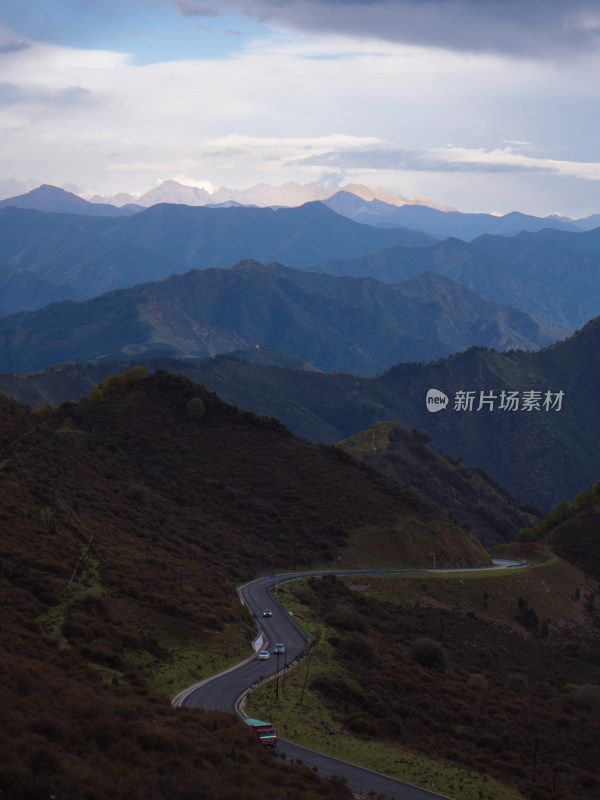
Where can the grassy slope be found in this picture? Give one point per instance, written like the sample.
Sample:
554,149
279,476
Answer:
505,686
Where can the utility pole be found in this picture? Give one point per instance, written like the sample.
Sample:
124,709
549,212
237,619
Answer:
306,676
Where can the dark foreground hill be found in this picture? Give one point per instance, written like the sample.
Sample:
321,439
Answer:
128,519
355,325
470,496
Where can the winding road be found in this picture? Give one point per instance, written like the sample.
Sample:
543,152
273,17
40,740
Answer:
227,690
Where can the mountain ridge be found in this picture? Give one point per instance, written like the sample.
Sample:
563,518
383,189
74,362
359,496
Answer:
550,274
54,199
543,457
441,223
354,325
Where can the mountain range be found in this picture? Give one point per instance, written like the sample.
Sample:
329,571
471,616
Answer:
549,273
134,508
290,193
52,199
542,456
355,325
92,255
447,222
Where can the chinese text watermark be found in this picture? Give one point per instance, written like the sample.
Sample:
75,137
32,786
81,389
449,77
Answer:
509,401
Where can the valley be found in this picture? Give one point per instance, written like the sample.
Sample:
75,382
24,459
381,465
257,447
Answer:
174,424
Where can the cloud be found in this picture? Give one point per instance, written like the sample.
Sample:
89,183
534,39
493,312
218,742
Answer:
189,8
13,47
448,159
12,94
11,187
137,33
526,28
332,180
329,108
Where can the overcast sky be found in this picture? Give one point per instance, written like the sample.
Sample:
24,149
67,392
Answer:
485,105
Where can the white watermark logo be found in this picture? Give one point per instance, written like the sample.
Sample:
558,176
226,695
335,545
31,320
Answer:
508,401
436,400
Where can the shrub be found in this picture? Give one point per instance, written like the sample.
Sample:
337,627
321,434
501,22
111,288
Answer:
429,653
138,493
195,407
117,383
587,696
345,618
356,647
478,682
517,682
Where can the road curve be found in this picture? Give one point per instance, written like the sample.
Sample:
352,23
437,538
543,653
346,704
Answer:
227,690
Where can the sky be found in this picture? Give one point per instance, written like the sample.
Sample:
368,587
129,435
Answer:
483,105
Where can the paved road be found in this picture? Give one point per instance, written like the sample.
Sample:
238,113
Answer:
225,692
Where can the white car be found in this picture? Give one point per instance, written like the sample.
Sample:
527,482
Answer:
263,655
279,648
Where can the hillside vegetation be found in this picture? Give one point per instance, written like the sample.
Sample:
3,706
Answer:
128,520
